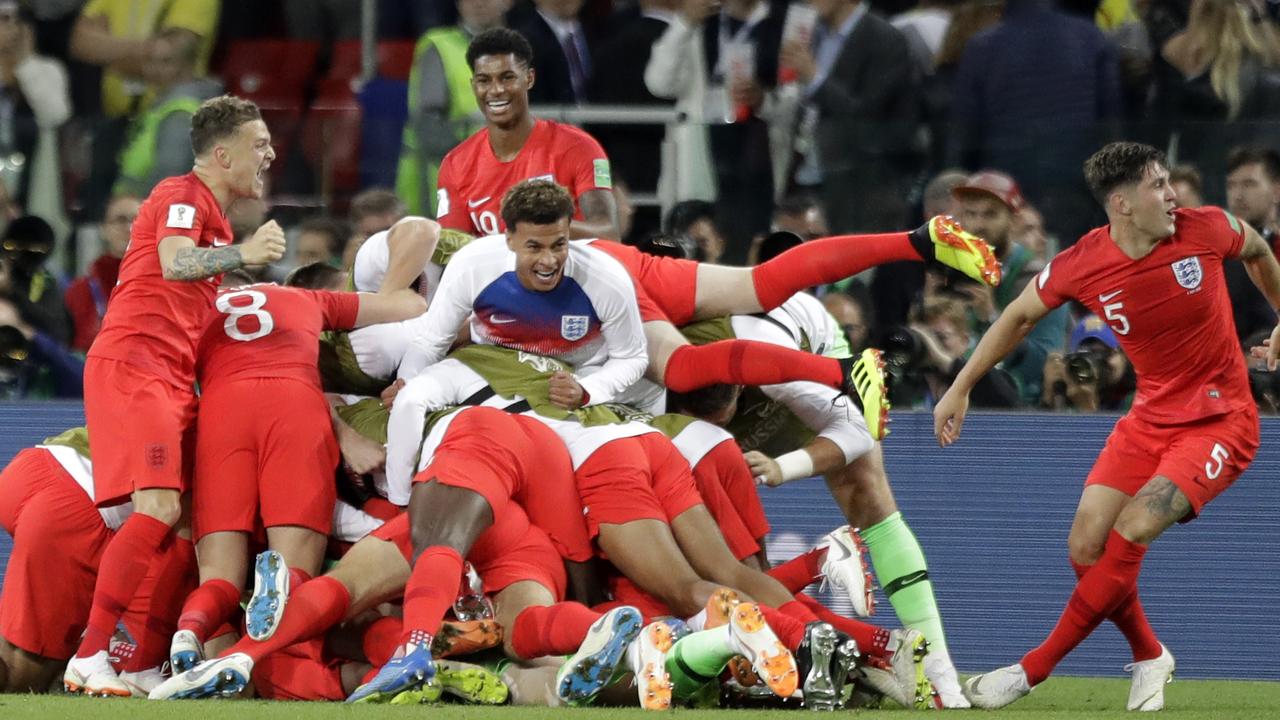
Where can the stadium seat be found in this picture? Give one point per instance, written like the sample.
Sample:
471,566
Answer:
384,109
395,57
331,137
275,74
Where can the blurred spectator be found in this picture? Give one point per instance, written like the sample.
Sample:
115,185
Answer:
121,36
851,316
561,55
988,203
862,113
159,144
320,239
801,214
1034,96
442,105
375,210
1188,184
693,224
720,67
967,19
34,103
87,296
633,148
1264,383
626,208
925,27
1253,195
1028,231
1122,23
1094,376
896,286
32,364
924,358
323,20
26,284
1223,63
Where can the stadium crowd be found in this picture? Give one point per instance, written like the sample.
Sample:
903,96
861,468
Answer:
538,443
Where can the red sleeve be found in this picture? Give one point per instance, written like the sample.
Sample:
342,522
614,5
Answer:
587,165
181,212
451,211
1055,283
1218,229
338,308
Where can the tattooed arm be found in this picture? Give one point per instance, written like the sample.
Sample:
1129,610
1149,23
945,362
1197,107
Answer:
180,259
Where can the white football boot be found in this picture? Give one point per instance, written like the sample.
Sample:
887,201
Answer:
1149,678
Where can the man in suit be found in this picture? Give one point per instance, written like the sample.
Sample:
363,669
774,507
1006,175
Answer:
561,57
861,108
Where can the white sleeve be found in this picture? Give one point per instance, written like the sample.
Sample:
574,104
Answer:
614,299
371,262
351,525
667,75
432,333
822,409
443,384
44,85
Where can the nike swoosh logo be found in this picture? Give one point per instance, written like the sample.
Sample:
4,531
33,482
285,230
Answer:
502,320
219,243
845,552
478,203
1108,296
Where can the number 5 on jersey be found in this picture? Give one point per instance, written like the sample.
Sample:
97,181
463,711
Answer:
257,301
1115,318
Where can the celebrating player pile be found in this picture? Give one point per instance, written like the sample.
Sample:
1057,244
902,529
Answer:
1155,274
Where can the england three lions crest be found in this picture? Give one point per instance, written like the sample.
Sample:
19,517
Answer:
574,327
1188,273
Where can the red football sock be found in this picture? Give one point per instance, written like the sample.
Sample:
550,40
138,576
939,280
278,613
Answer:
124,565
551,629
826,261
430,592
381,638
788,629
1132,621
746,362
871,639
313,609
208,607
799,611
174,573
1096,596
297,577
799,572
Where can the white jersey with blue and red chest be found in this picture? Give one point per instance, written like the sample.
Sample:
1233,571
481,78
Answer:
589,320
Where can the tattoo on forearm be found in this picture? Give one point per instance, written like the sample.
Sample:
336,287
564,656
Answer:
193,263
1165,500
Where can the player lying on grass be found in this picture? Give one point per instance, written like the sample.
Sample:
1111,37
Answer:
1154,272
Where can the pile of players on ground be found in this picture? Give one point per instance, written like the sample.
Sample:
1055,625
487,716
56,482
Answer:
553,550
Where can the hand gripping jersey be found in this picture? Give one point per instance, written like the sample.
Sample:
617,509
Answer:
1169,310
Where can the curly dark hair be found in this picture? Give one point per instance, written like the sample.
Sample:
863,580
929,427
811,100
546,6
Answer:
703,402
500,41
219,118
1119,163
541,202
315,276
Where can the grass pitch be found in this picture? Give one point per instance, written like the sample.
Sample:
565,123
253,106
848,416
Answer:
1065,698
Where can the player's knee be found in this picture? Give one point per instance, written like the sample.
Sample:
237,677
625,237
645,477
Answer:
1138,525
1084,550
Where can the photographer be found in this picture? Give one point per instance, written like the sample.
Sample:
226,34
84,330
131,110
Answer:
923,358
1094,376
26,284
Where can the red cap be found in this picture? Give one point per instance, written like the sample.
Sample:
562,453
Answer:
991,182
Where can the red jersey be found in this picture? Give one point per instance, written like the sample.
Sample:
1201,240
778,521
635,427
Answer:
472,181
153,323
270,331
1169,310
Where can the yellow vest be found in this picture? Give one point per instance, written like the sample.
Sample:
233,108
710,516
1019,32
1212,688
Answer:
416,185
139,156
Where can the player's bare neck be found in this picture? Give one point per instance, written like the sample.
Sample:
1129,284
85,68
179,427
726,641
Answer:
1133,242
220,189
507,142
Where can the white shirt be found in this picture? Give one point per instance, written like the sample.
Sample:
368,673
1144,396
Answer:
589,320
370,266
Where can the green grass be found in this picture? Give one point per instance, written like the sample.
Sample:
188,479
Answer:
1083,698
